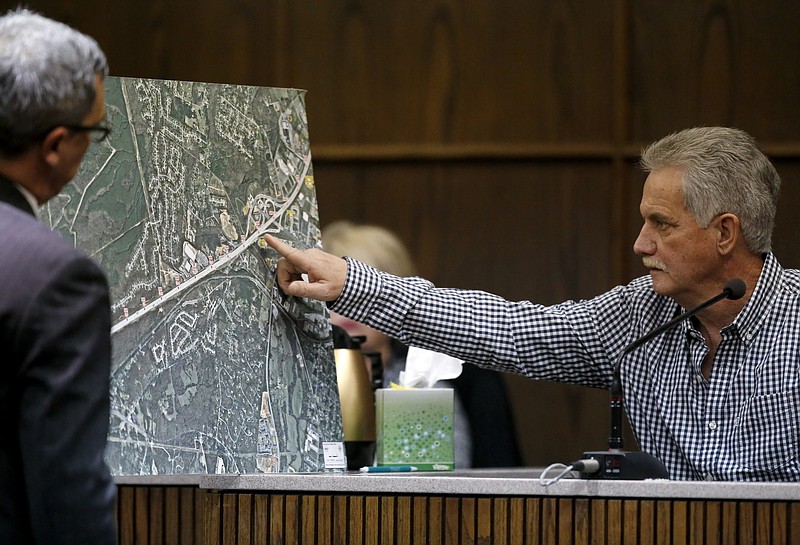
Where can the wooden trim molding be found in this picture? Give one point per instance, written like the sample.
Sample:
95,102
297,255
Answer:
417,152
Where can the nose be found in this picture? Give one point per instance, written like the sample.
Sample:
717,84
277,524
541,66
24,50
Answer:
644,244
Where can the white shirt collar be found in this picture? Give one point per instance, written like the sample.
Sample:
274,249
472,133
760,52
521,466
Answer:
30,198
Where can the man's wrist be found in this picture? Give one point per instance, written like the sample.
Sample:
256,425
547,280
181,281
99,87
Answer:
361,289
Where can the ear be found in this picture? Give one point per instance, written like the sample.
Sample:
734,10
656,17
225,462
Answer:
49,147
730,232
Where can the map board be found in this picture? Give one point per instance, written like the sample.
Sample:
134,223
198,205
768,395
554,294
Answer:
214,369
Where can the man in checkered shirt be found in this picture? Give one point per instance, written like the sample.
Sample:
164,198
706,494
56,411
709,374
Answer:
716,397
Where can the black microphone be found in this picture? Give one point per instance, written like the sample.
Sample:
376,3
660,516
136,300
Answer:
613,463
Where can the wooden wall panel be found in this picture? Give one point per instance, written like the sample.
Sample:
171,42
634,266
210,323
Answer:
205,40
716,62
786,238
460,123
444,71
475,225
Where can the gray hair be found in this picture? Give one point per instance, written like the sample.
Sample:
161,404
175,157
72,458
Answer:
724,172
47,77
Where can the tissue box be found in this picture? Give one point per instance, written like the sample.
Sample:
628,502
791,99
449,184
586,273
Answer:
415,428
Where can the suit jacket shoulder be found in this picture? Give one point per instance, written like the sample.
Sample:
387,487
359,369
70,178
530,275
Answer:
55,330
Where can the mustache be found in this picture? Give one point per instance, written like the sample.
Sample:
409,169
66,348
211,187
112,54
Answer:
652,263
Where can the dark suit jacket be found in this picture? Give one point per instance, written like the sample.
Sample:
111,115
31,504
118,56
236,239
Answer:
55,350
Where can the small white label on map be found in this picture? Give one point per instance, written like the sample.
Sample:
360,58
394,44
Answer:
333,451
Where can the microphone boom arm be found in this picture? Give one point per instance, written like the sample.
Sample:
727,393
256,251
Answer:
734,289
617,397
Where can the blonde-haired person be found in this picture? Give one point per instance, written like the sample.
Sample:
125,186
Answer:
371,244
484,434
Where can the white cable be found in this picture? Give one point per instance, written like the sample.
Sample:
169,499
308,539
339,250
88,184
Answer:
547,482
588,465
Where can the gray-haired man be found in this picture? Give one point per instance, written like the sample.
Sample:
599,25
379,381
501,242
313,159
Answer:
716,398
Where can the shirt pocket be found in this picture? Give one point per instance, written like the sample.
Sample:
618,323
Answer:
766,438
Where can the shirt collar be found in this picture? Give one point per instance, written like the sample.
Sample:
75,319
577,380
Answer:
29,197
748,321
766,291
15,195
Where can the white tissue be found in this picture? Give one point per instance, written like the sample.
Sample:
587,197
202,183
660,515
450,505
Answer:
425,367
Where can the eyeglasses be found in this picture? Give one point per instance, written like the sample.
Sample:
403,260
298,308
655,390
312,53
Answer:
102,131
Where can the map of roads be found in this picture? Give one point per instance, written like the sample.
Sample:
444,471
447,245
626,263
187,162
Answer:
214,370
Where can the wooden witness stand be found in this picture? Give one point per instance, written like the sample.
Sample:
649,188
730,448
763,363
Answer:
478,507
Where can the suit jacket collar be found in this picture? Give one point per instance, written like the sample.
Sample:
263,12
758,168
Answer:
11,195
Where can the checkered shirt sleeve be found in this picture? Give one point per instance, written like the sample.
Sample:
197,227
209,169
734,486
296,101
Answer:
742,424
572,342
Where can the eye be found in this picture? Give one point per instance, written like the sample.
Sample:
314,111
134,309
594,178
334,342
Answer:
661,223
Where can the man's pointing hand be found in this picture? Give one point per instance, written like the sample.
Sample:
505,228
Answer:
326,273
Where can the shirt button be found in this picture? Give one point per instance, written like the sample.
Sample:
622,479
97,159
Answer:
749,336
698,378
709,477
712,425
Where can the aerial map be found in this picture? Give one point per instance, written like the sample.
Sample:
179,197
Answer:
214,369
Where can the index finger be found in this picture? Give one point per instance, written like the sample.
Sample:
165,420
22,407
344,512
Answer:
280,246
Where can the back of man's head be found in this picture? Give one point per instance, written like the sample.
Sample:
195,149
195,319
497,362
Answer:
47,78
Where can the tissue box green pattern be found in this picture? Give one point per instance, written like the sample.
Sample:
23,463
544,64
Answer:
415,427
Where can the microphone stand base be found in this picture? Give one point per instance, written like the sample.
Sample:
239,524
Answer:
622,465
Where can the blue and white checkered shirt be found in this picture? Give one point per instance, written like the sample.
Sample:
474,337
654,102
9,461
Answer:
742,424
